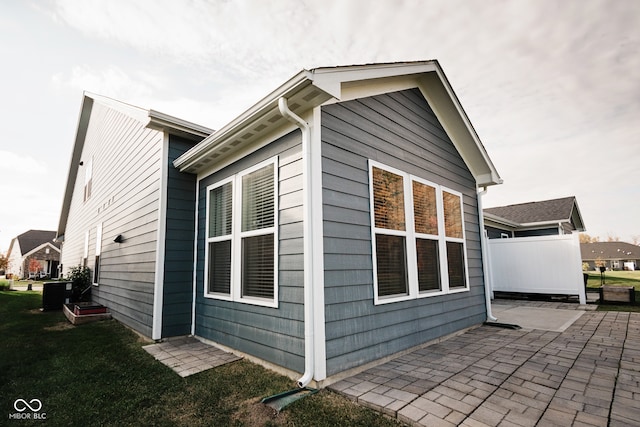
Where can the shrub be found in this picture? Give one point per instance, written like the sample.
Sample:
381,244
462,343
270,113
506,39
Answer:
80,278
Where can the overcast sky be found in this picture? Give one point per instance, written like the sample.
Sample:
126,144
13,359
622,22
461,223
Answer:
551,87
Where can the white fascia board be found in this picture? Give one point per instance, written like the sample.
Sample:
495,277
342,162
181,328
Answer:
332,79
329,80
438,92
553,223
262,107
579,227
76,154
138,113
162,121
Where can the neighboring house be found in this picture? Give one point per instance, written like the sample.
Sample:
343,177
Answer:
533,248
35,245
334,223
128,215
611,255
544,218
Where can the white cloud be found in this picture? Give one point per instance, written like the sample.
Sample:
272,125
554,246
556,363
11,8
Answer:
110,81
29,201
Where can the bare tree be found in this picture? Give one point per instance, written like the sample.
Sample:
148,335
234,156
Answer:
585,238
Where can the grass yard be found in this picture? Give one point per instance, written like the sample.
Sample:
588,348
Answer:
99,374
616,278
621,278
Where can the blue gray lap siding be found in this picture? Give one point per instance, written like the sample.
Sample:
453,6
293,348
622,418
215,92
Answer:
178,260
400,130
272,334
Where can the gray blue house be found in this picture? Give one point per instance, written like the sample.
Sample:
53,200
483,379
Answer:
337,222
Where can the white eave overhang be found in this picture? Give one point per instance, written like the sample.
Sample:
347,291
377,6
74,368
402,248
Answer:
311,88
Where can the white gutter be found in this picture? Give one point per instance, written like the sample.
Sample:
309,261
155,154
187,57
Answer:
485,264
309,365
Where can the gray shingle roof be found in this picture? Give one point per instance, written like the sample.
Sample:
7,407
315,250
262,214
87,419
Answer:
34,238
609,250
532,212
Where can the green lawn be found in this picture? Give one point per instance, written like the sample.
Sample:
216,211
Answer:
620,278
616,278
99,374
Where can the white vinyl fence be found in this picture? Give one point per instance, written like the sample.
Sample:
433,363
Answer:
540,265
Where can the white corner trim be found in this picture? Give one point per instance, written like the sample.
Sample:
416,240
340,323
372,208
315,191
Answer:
158,289
195,260
317,249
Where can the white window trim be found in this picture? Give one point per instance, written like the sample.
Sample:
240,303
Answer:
218,295
462,240
85,255
236,239
98,253
411,235
442,254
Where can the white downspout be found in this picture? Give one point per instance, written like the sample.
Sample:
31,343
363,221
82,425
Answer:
485,254
307,210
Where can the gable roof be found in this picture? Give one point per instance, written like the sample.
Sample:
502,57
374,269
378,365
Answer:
609,250
34,238
540,213
150,118
311,88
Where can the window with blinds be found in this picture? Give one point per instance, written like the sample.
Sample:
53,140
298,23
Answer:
425,216
417,236
258,220
389,230
241,250
454,235
220,214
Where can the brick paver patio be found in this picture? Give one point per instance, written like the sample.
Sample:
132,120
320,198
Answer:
188,356
587,375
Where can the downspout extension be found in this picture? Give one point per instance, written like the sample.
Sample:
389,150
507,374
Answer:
485,254
309,366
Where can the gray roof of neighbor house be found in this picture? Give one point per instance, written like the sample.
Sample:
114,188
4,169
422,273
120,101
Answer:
33,238
546,211
609,250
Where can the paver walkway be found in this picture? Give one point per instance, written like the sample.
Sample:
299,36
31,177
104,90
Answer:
587,375
188,356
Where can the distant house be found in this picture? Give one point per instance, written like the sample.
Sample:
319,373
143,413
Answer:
38,246
544,218
335,222
611,255
128,214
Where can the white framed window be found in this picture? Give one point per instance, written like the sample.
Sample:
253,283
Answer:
241,249
96,265
88,179
85,254
418,238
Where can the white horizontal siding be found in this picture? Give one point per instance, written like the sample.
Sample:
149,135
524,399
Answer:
125,199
